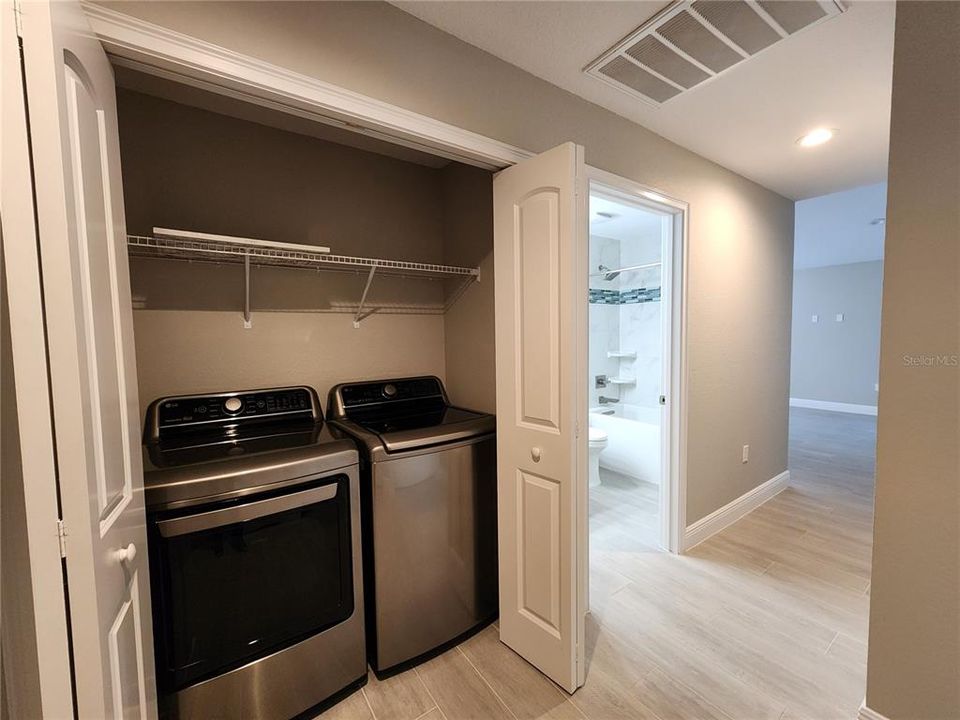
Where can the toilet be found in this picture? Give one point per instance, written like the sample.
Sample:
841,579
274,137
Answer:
598,441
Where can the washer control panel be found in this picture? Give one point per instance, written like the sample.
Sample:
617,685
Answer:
176,413
361,394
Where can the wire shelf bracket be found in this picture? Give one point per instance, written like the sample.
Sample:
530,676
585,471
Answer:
169,244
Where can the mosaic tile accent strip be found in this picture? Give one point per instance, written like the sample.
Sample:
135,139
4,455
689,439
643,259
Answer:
624,297
639,295
604,297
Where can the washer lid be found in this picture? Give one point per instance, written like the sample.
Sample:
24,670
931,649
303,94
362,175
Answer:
450,424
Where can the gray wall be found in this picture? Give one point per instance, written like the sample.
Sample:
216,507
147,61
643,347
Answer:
829,360
913,668
741,235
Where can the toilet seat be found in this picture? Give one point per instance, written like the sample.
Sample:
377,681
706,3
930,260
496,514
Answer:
597,436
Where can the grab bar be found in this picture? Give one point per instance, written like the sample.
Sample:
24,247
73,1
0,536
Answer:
242,513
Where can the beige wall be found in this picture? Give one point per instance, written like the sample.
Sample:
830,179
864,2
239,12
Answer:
741,235
189,168
913,668
830,360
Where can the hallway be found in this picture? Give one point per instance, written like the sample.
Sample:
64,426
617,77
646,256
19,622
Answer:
765,621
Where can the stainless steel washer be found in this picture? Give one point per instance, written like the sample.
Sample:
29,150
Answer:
429,511
254,540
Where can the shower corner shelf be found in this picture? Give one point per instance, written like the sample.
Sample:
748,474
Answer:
167,244
622,354
622,381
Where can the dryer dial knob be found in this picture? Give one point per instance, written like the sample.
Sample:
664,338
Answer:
232,405
389,390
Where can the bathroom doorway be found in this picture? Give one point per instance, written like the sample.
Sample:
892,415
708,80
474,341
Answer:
634,383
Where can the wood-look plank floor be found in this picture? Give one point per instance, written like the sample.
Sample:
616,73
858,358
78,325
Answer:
765,621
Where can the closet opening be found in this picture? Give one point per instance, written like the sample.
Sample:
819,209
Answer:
203,162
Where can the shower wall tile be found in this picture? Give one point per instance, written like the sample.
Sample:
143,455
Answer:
640,331
625,315
604,336
606,252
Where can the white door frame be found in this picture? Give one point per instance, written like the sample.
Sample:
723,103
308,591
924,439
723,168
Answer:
673,443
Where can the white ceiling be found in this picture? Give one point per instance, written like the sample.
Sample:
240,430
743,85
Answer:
837,229
631,224
836,74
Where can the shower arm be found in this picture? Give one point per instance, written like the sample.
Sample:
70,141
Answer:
625,269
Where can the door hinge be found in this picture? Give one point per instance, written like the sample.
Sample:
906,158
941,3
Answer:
663,399
62,537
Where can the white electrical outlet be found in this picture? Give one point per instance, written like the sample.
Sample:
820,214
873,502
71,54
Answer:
839,317
814,318
746,454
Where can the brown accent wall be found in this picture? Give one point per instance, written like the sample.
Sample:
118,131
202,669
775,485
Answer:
192,169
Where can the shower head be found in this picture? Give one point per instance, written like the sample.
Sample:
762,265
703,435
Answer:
608,274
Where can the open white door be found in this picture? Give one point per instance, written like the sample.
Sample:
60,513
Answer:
539,224
89,323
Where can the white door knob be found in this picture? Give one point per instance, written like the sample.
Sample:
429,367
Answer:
127,554
535,454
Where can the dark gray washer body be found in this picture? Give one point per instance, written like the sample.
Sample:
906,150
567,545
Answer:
430,550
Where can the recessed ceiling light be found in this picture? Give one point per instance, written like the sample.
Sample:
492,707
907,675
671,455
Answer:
878,221
815,137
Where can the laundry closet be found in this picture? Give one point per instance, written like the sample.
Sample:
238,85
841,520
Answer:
311,305
207,163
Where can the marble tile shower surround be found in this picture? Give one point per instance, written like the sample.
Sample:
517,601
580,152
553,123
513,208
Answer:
604,317
625,315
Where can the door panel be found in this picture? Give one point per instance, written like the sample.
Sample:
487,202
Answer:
125,640
538,236
537,233
89,321
539,517
101,312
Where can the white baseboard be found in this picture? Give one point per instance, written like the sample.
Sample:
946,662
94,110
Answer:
868,714
731,512
834,406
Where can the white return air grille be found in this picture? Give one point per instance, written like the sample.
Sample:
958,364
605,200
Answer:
693,41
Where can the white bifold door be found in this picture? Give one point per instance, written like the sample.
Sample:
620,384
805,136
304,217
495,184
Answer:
541,284
75,152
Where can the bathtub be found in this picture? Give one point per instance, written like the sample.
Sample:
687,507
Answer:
633,439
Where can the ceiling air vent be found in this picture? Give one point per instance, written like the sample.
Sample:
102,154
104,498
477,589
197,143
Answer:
693,41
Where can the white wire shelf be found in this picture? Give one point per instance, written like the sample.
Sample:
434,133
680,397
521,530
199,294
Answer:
211,248
189,246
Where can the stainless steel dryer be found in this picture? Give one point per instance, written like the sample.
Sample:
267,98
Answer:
429,513
254,540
